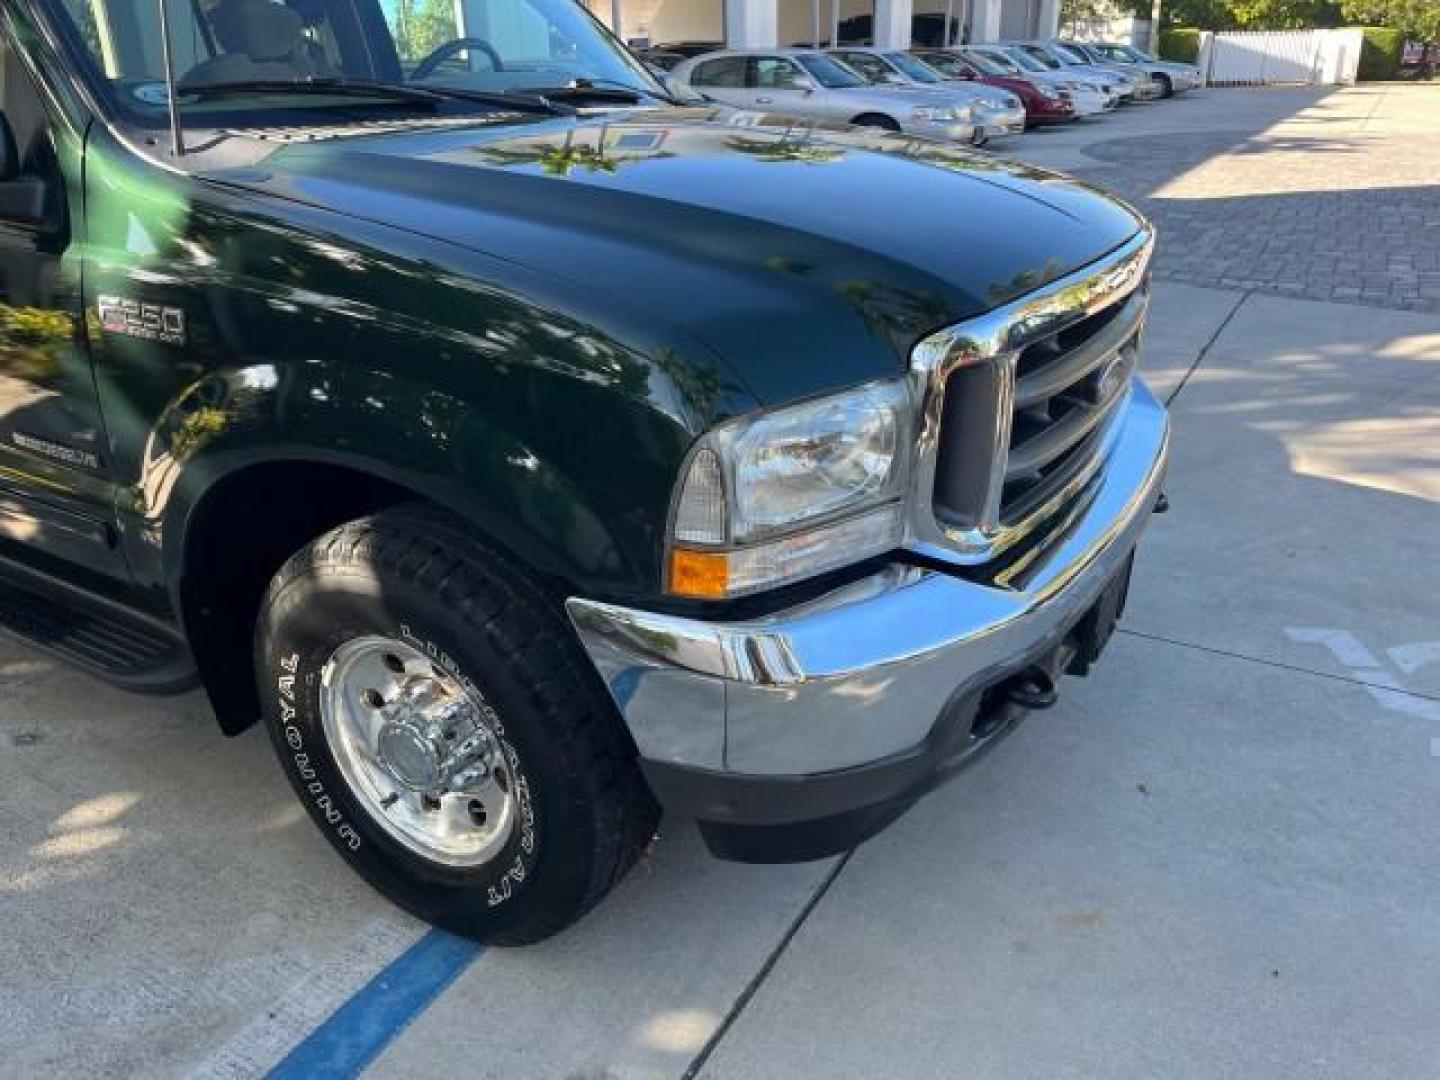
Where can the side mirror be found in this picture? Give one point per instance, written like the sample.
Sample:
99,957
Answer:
22,198
805,85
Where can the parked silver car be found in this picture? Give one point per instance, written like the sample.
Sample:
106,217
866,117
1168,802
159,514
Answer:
808,83
997,112
1172,76
1149,89
1128,86
1091,95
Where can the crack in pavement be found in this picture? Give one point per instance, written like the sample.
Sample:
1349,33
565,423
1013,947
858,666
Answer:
1205,349
753,986
1298,669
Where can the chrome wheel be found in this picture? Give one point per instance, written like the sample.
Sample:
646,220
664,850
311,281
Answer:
419,750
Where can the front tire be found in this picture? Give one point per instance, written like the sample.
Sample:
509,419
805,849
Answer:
435,714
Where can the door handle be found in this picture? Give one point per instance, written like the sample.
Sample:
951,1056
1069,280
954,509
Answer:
763,100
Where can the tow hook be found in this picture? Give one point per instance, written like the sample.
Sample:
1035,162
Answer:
1033,688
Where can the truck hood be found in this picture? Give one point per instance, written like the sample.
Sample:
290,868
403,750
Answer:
774,247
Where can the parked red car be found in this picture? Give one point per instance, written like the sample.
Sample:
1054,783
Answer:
1043,104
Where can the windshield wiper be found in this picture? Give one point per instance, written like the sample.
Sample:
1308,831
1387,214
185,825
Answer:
319,87
586,81
583,88
365,88
531,101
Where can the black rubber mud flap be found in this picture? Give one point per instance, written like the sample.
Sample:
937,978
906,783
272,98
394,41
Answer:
1095,629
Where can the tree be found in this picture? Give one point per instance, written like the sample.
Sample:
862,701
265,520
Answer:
1418,19
1205,14
422,26
1075,12
1284,14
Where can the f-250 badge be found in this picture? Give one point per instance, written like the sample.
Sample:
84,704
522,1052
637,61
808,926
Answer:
147,322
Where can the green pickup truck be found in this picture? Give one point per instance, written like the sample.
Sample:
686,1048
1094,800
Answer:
530,450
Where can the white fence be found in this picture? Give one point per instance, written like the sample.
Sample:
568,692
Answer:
1267,57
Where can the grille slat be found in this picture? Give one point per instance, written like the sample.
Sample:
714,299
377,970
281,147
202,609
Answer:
1029,457
1065,368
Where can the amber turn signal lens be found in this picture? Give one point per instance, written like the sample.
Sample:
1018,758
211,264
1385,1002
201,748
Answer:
704,575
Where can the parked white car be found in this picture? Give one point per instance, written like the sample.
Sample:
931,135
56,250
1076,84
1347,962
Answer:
1090,98
809,84
997,112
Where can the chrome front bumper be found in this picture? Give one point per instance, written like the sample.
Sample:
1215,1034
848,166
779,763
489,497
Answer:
864,673
1093,103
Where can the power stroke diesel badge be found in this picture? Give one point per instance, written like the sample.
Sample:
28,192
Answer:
147,322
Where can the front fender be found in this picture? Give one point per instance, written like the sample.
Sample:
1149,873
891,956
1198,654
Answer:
260,416
552,418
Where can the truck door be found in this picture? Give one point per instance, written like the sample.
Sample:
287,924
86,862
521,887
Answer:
55,493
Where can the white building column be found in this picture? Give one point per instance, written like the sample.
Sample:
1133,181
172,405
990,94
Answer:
892,23
1048,21
985,21
752,24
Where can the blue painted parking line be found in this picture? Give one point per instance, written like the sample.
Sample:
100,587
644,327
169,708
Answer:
358,1031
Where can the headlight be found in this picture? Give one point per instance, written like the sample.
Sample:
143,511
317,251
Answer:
792,493
929,112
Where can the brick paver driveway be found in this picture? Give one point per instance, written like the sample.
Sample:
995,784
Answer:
1325,194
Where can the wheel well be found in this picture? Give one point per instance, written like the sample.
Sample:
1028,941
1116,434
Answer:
239,535
875,119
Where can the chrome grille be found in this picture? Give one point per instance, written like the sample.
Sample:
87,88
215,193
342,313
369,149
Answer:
1020,406
1067,386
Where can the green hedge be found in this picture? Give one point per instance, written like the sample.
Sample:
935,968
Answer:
1182,45
1380,53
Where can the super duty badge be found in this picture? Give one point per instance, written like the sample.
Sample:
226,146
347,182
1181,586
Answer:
147,322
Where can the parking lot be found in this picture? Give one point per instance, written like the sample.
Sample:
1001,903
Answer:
1215,857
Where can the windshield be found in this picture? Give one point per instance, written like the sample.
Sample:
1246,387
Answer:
1026,61
1039,55
947,65
1069,52
1002,63
980,62
259,47
828,73
915,69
